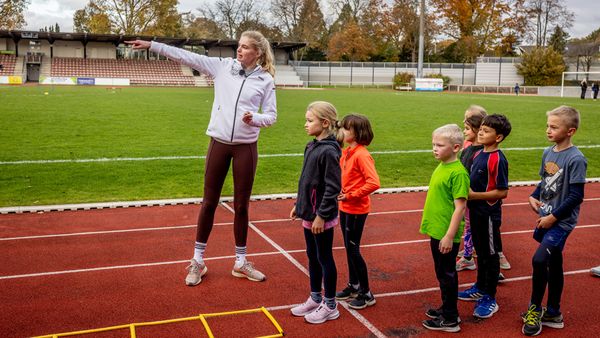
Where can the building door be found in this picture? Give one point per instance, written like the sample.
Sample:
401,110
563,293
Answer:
33,72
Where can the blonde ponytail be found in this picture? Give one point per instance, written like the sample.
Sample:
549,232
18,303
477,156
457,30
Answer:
259,42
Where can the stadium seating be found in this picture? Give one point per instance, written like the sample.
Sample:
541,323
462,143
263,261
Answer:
139,72
8,63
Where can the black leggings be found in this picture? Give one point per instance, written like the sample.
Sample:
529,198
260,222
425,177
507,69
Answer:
321,266
352,229
218,159
547,270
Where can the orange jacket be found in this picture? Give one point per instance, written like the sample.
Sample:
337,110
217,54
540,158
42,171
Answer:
359,180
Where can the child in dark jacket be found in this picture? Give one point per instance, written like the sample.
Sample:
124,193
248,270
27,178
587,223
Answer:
317,207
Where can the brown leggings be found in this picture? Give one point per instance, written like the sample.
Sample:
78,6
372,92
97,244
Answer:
218,158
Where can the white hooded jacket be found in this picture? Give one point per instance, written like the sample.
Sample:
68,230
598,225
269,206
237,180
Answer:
236,92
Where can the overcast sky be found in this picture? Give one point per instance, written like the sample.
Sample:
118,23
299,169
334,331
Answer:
48,12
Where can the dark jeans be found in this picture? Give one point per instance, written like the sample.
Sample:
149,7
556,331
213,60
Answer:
547,270
218,159
445,271
352,229
485,230
321,266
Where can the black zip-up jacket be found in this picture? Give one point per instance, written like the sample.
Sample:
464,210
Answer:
320,181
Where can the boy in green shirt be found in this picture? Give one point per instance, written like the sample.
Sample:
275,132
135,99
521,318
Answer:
443,222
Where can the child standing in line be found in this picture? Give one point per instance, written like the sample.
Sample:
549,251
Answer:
489,185
467,159
442,221
359,180
317,207
473,117
556,200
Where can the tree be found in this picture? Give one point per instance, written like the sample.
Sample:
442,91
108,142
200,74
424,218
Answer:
558,40
312,30
198,27
287,17
585,52
146,17
541,67
91,19
11,14
349,44
477,25
230,14
543,14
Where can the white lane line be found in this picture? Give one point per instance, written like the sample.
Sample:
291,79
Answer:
175,227
364,321
186,201
507,280
197,157
270,253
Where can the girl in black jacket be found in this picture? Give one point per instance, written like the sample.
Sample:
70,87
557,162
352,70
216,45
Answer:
317,207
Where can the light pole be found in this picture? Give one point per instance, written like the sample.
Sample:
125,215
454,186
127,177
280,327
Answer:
421,39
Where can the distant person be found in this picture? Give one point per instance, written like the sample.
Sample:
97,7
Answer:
317,207
556,200
595,89
1,67
489,186
359,180
243,87
442,221
517,89
583,88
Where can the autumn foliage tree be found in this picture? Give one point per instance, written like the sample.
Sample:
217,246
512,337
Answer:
541,66
11,13
144,17
349,44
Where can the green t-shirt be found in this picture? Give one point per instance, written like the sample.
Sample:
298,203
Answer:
449,181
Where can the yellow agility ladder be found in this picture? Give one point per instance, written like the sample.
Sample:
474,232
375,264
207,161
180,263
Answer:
201,317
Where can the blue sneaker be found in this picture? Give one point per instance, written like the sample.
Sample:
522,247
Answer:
486,307
470,294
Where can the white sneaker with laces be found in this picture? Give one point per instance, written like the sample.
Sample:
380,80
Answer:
322,314
195,272
247,270
305,308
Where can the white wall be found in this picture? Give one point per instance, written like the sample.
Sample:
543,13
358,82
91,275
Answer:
101,50
68,49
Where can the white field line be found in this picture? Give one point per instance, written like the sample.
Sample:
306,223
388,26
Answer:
507,280
364,321
185,201
177,227
195,157
269,253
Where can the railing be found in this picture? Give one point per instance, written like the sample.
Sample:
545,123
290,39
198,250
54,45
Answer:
337,64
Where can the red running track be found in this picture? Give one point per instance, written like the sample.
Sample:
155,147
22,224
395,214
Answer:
75,270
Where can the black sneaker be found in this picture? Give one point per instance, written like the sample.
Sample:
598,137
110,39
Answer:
553,321
362,301
434,313
348,292
441,324
532,321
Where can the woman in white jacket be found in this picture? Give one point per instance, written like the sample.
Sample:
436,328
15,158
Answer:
243,86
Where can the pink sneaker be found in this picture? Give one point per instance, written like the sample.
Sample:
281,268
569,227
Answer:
465,264
305,308
322,314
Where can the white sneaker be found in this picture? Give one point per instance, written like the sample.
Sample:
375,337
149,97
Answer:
248,271
305,308
322,314
195,272
595,271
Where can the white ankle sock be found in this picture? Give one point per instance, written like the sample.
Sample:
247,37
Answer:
199,249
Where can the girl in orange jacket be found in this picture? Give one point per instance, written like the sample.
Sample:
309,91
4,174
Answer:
359,180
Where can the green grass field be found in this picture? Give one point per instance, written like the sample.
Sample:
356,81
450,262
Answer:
92,123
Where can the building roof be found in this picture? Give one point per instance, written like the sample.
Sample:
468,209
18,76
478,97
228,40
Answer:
117,39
